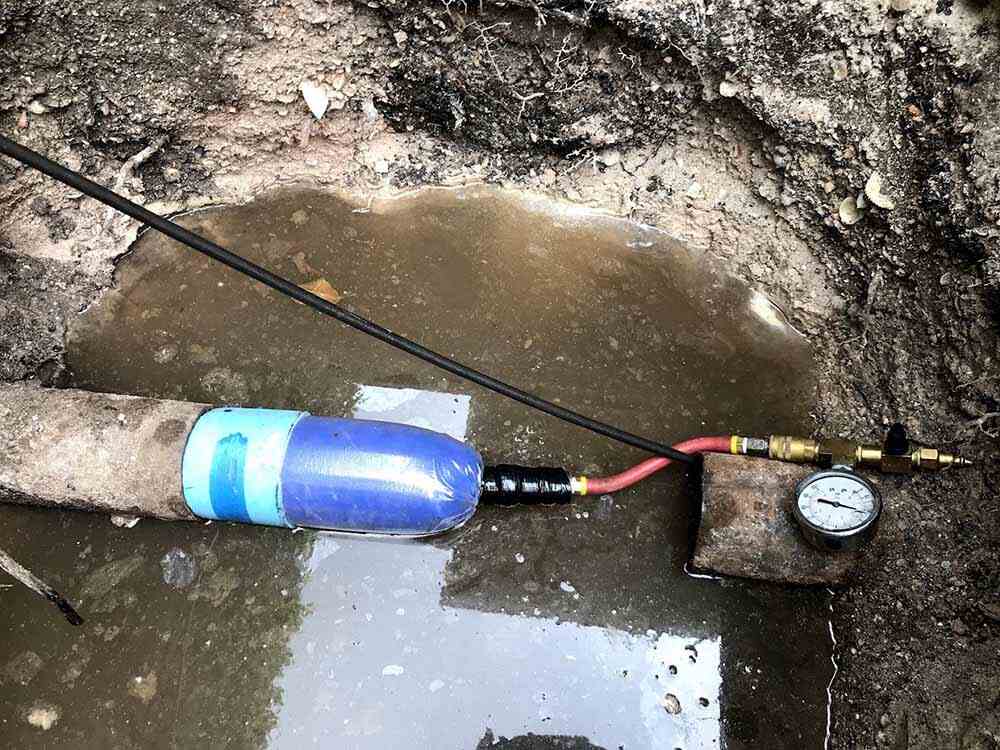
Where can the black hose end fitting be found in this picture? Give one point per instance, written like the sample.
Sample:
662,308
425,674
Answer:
506,484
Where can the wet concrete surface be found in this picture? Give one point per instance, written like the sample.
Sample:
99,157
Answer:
551,627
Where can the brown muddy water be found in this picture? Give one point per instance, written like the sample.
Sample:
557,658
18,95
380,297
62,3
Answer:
552,627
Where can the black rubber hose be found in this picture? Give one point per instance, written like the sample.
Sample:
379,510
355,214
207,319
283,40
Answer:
286,287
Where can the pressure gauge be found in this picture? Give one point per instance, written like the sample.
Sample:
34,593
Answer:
837,509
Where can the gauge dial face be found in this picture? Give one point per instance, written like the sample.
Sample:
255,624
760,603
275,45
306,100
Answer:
838,502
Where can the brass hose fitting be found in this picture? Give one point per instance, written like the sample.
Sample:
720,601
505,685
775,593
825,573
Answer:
926,459
894,456
794,449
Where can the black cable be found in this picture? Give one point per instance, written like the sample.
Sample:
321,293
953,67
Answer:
286,287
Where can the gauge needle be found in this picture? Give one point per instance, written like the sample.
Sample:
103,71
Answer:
835,504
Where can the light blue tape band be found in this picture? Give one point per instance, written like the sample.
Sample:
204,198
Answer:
232,464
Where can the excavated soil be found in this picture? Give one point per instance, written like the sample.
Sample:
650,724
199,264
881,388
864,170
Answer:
843,158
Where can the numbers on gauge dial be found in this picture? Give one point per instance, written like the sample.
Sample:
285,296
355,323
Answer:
837,503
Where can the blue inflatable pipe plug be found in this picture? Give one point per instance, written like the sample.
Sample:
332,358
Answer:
289,468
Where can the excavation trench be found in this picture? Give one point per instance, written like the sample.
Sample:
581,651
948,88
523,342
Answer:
559,622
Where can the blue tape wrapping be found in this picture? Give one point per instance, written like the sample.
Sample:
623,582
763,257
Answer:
232,464
227,479
378,477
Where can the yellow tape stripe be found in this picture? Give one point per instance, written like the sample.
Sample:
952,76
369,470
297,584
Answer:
734,444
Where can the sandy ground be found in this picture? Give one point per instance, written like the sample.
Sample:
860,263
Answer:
844,158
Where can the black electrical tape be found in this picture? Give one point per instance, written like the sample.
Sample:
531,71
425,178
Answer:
286,287
524,485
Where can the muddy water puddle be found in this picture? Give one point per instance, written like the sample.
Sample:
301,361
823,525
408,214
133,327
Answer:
568,628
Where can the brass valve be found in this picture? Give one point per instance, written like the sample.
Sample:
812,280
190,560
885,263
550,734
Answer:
894,456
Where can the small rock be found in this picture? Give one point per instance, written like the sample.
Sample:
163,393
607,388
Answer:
165,354
392,670
671,704
43,715
900,5
22,121
548,177
178,568
610,158
873,189
695,191
768,190
316,98
849,212
300,218
400,37
828,187
840,69
728,89
884,720
171,174
125,522
37,108
567,587
381,166
143,688
435,685
40,206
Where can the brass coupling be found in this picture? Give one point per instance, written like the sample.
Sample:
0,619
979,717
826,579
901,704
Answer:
796,450
926,459
895,456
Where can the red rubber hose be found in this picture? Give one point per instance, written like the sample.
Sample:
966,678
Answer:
603,485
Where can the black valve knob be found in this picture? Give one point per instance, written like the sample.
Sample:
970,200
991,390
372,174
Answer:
896,441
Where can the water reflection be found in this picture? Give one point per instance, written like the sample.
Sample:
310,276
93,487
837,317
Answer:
381,662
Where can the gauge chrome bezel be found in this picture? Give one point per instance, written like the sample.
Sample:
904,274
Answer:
834,540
